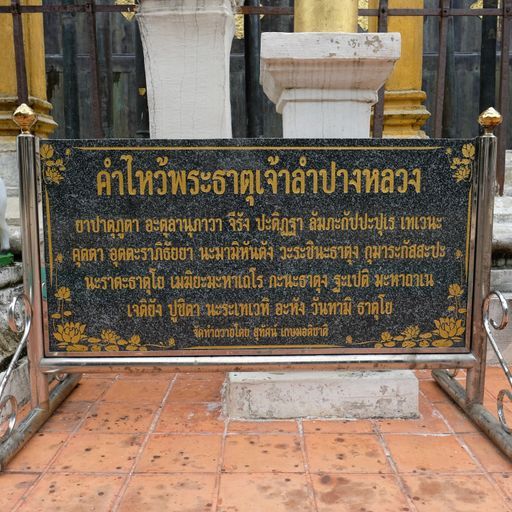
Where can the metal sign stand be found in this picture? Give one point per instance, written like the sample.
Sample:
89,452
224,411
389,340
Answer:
68,370
29,321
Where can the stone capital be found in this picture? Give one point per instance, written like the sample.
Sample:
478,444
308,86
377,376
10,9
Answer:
325,83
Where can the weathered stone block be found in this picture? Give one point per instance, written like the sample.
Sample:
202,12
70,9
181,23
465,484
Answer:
338,394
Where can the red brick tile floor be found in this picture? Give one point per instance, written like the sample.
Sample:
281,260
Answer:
159,443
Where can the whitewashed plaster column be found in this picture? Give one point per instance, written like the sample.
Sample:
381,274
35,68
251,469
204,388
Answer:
324,84
186,54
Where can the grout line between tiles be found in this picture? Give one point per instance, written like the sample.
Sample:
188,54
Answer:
400,482
307,472
31,488
156,418
220,464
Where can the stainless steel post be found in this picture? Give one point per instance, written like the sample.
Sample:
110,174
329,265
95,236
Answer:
487,152
27,165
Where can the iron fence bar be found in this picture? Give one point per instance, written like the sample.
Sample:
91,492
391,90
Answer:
504,93
488,59
104,53
450,95
70,79
265,10
95,72
378,111
142,93
441,68
19,52
56,8
253,102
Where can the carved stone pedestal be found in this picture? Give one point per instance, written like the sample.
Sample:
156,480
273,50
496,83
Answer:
324,84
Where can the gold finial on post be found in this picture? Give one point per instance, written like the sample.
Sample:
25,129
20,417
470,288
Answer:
25,118
489,119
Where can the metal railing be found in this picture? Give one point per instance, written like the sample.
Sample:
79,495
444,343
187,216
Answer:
490,13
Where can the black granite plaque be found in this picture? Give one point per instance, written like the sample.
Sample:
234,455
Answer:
247,246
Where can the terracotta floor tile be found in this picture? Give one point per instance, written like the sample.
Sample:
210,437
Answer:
413,453
487,454
337,426
504,481
77,493
209,376
67,417
495,380
119,418
98,452
169,493
349,493
345,453
263,454
160,374
285,492
466,493
38,452
431,389
429,422
180,453
263,427
89,390
423,374
188,390
100,375
137,391
191,417
455,417
12,487
490,403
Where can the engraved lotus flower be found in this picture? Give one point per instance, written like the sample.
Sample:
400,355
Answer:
110,336
63,293
53,175
448,328
134,343
468,150
46,151
455,290
386,336
411,332
462,174
70,332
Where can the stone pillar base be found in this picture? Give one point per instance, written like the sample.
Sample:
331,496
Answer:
404,114
334,394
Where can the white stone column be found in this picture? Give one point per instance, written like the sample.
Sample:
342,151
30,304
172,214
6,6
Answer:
324,84
186,54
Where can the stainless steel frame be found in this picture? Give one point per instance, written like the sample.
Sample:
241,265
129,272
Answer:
469,399
31,324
